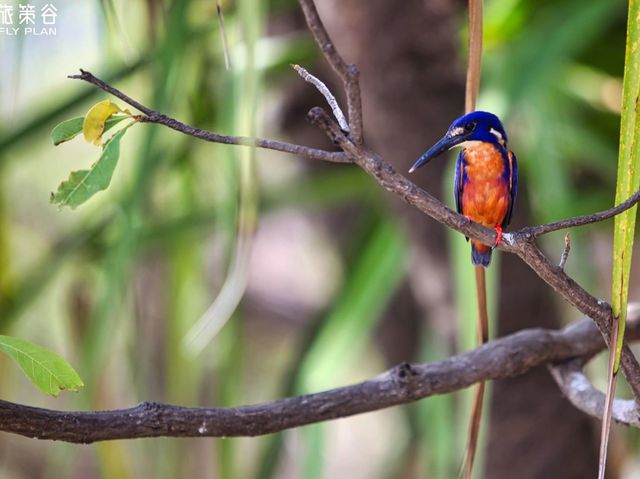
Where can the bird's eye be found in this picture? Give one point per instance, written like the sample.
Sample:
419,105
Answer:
470,126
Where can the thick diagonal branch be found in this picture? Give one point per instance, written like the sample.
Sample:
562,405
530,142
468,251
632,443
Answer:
522,245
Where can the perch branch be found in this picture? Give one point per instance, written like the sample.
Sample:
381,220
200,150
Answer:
506,357
522,245
582,220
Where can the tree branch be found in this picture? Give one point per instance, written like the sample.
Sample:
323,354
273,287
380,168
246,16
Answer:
575,385
506,357
151,116
326,93
582,220
348,73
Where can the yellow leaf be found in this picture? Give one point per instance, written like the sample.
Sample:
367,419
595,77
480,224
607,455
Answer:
93,125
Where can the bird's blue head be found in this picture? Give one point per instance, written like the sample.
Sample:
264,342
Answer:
475,126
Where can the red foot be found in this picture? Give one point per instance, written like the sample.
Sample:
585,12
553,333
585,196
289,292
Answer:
498,230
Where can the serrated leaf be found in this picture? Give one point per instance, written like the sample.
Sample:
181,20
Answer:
95,119
46,369
83,184
69,129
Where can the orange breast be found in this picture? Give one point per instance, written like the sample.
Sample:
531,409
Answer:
485,193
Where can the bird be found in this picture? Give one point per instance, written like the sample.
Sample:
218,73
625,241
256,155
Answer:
485,187
486,175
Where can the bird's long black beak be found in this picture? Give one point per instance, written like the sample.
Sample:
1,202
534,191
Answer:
445,143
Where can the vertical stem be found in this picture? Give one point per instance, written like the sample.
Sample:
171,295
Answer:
483,315
471,97
475,55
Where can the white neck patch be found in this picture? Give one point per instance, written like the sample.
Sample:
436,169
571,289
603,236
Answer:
468,144
498,135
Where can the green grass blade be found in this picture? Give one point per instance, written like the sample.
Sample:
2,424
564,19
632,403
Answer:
46,369
628,177
624,226
376,273
371,283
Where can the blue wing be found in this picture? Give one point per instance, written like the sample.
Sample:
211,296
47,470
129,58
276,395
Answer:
513,186
459,181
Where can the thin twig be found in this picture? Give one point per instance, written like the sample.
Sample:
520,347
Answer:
151,116
331,100
348,73
565,253
503,358
536,231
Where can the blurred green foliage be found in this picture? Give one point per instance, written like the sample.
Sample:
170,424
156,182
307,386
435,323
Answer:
117,284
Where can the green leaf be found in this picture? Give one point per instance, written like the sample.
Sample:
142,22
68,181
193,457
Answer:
628,182
46,369
83,184
69,129
628,177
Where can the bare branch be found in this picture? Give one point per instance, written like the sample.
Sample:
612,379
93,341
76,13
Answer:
565,253
506,357
331,100
151,116
348,73
598,310
582,220
575,385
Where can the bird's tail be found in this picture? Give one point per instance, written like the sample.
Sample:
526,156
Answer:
480,254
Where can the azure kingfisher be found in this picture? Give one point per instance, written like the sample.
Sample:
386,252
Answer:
486,177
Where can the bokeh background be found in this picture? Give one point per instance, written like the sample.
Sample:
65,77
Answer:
318,277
